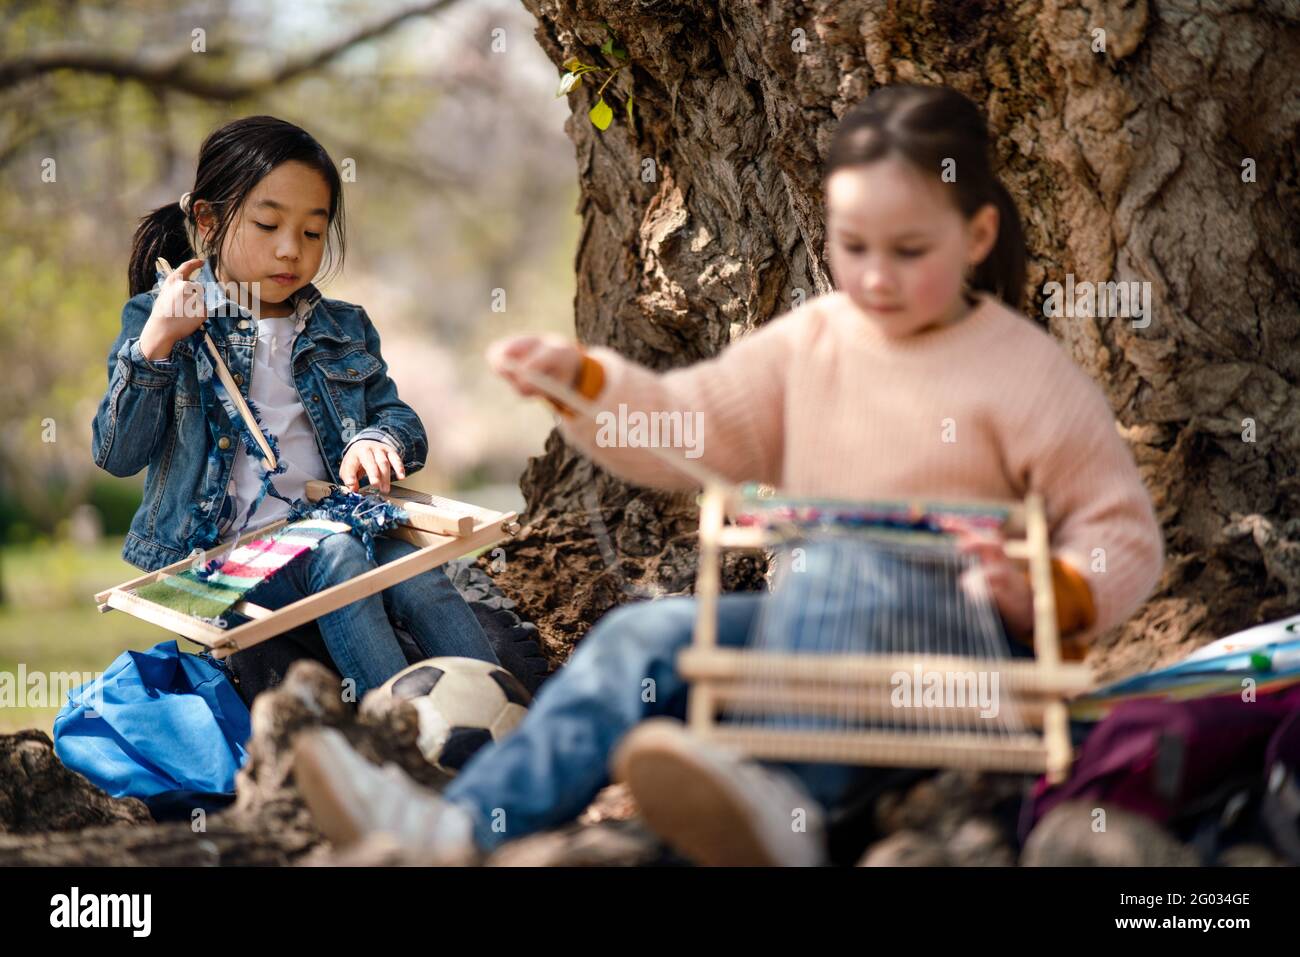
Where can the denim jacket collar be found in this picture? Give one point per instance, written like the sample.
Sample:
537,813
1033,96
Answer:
317,323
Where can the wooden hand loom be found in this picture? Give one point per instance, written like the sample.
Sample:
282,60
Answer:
858,685
442,529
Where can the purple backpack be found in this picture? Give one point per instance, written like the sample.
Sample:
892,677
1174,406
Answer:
1169,759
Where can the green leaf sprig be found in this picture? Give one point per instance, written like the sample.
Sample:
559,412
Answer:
602,114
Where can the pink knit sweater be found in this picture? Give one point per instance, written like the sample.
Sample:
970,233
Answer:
819,403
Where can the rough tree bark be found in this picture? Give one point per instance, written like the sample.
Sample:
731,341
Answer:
1127,165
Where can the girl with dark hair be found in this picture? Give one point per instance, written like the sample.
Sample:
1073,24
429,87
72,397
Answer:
916,379
265,211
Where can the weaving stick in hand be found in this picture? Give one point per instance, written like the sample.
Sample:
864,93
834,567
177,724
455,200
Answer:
223,373
570,397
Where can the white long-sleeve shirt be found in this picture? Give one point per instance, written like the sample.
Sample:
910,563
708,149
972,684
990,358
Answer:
272,391
271,388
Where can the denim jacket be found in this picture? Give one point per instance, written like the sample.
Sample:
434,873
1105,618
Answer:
163,414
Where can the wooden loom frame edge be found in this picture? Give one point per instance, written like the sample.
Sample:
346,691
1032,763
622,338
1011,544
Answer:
432,549
1056,751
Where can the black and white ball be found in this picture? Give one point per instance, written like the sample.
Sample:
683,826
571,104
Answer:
462,704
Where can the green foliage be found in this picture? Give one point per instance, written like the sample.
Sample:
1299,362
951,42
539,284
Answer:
602,114
610,48
116,501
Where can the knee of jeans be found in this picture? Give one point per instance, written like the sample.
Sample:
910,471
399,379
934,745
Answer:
594,643
340,556
430,585
438,576
389,549
639,630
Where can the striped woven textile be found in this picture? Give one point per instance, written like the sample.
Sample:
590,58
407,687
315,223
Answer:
211,593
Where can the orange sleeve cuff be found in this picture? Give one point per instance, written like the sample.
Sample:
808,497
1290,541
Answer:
588,383
1075,610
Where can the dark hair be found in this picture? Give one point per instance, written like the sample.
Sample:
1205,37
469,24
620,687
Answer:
927,125
232,161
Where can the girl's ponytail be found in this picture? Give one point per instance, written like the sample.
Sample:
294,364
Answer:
1003,270
160,233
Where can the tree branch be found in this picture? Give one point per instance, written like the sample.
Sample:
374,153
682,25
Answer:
427,173
175,74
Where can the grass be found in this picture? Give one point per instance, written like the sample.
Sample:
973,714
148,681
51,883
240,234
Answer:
48,619
49,622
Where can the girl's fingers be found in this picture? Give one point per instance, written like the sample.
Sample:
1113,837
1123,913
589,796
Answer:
180,273
997,578
378,461
353,468
179,298
974,581
348,471
971,543
367,465
510,351
966,533
973,546
396,460
384,468
192,298
373,471
188,268
509,355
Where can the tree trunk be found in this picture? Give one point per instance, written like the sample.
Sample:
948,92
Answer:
702,218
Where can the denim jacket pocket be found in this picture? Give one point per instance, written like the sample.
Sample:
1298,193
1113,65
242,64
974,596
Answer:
346,378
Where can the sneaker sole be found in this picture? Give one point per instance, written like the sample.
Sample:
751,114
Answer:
329,809
684,802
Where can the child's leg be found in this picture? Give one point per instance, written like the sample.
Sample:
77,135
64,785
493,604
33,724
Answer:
359,637
855,598
551,766
432,610
822,608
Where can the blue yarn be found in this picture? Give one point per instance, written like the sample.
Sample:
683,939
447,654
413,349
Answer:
366,515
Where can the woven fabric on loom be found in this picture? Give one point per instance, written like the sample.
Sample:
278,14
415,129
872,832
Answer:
211,594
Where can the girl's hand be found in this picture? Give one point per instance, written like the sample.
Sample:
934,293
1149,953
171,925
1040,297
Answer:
177,312
377,459
1011,592
551,355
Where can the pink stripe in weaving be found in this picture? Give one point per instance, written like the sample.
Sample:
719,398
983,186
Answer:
240,570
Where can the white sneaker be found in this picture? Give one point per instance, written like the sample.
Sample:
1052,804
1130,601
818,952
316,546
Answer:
714,807
349,799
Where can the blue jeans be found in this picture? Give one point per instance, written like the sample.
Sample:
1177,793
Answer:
551,766
360,635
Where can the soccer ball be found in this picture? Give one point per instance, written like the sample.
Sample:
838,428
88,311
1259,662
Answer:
462,704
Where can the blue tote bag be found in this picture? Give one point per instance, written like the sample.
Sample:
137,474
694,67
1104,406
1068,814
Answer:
160,725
